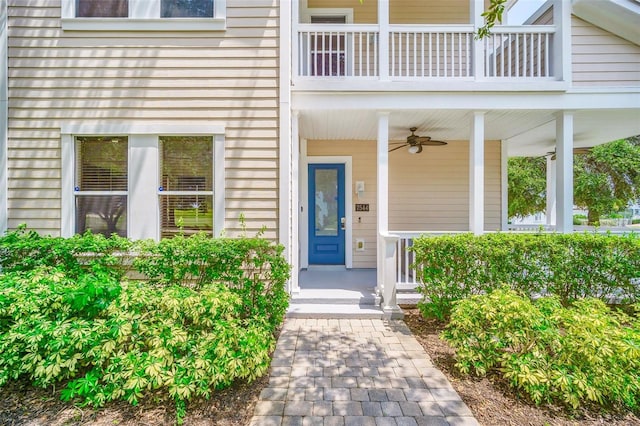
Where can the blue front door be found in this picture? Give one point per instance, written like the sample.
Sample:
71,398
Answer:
326,214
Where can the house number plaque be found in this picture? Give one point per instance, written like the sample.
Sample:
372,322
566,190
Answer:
362,207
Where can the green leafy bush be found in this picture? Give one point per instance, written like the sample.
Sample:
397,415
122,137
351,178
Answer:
126,340
571,266
580,355
252,268
203,314
24,250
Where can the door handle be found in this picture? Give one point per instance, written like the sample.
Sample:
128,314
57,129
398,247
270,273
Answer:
343,223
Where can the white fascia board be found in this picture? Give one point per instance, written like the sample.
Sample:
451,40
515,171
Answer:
139,129
301,84
466,101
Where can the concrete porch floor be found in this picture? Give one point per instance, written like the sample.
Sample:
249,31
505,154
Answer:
332,292
336,283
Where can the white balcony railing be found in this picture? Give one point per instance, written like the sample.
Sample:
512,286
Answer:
424,52
515,52
420,52
338,50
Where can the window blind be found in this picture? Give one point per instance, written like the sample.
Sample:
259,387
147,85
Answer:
186,192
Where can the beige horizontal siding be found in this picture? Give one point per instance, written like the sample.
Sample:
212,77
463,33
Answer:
600,58
427,192
227,78
404,11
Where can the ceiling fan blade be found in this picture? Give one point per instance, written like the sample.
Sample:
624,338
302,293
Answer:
433,143
397,148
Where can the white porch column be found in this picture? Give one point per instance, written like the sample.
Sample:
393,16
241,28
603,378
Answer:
476,8
4,122
382,196
504,185
551,191
476,174
562,40
564,172
383,22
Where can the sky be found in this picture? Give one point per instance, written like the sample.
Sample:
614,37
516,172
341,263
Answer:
522,10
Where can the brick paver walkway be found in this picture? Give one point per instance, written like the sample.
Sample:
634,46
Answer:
355,372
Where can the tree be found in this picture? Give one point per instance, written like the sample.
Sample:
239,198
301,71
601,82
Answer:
607,178
527,185
491,17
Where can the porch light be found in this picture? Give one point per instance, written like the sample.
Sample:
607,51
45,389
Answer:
415,149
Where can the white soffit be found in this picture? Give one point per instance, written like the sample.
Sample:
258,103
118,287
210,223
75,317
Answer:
528,133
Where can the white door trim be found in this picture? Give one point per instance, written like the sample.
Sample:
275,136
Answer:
304,205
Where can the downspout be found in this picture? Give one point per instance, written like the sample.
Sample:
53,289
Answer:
4,115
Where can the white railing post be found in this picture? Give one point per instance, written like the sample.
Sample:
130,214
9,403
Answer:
390,304
562,40
383,21
477,7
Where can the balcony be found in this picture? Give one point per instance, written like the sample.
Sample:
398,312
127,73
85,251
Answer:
330,53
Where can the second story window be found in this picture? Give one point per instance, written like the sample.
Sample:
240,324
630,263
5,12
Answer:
144,15
186,9
102,8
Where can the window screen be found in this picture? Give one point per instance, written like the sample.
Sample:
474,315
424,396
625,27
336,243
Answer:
101,185
102,8
186,194
186,9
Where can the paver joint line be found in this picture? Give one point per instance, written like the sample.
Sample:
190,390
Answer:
355,372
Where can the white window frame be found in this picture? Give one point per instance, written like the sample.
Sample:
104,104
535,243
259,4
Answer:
207,193
78,192
144,15
143,176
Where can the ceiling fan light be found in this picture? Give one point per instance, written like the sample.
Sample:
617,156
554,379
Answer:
414,149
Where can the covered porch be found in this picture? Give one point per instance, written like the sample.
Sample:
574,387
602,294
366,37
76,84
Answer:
460,187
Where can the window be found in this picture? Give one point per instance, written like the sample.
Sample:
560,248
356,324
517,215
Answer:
142,181
186,191
144,15
102,8
187,9
101,185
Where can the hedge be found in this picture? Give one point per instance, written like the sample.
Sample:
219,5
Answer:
570,266
205,315
584,355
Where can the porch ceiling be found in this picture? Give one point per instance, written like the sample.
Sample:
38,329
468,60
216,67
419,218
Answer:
529,133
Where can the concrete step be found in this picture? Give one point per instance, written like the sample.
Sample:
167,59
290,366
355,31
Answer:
329,300
408,298
332,310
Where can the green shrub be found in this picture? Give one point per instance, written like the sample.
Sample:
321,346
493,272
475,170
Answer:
571,266
24,250
253,268
580,355
205,316
125,341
